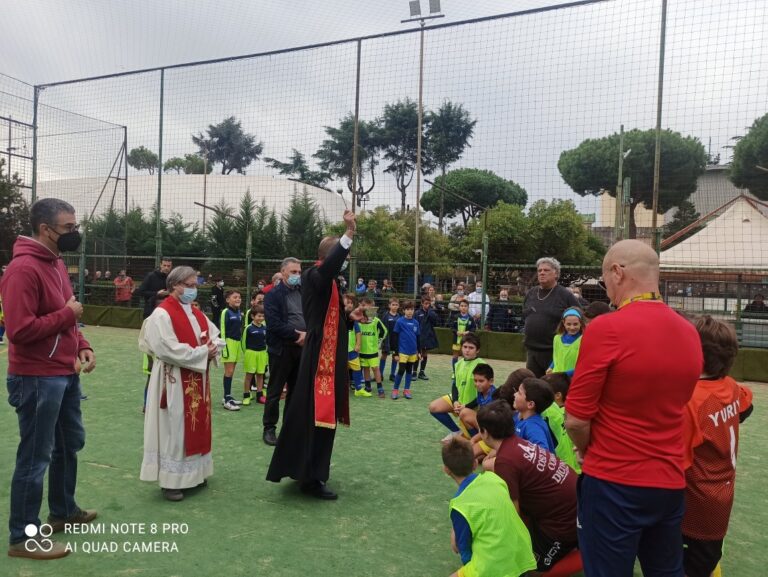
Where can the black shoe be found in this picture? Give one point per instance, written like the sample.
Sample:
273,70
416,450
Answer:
173,494
422,376
269,437
318,490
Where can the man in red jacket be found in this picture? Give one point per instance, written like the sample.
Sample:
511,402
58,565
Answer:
45,354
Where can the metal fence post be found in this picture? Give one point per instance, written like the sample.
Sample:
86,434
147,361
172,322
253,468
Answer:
159,223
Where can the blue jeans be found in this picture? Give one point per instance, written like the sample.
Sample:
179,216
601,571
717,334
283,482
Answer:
617,523
51,433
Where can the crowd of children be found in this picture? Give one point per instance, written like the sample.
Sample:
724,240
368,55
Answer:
519,514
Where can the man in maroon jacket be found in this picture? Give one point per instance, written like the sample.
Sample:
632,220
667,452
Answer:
46,352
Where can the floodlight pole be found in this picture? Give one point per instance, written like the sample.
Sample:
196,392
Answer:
35,105
159,225
355,160
657,152
420,122
618,220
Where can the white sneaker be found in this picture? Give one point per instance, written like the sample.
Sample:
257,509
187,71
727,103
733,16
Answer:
230,405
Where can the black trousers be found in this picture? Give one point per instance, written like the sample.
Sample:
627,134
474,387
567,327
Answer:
283,370
538,362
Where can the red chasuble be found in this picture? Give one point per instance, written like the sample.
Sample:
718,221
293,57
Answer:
197,394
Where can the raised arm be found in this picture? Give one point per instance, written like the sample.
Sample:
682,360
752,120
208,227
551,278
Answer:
330,268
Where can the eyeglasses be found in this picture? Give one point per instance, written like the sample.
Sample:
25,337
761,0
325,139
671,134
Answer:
67,227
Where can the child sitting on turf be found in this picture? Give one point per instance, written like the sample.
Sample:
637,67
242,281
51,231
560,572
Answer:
711,441
541,487
555,419
255,359
482,375
462,387
428,320
231,326
532,398
372,333
464,324
390,318
486,530
406,343
566,343
353,350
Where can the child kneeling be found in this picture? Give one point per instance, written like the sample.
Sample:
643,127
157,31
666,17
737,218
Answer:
487,531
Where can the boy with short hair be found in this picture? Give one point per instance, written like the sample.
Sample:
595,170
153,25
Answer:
711,442
482,375
464,324
372,333
406,343
255,358
463,391
231,326
554,416
545,495
532,398
486,530
390,318
353,350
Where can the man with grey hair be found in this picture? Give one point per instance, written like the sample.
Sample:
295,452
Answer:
285,338
543,306
321,398
177,422
45,356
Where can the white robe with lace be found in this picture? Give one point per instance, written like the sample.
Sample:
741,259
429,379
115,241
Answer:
164,459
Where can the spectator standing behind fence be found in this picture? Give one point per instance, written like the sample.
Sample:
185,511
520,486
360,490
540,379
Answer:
373,291
636,371
360,288
476,306
123,289
453,303
583,303
501,317
543,306
757,306
386,287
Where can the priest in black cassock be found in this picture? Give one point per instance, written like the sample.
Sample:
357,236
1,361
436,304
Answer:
321,398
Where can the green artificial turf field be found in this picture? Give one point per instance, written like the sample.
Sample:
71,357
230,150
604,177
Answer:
391,518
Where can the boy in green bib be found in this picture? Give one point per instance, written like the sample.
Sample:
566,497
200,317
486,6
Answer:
463,389
372,332
486,531
554,415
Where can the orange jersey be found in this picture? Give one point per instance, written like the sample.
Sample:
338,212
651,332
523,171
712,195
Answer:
711,437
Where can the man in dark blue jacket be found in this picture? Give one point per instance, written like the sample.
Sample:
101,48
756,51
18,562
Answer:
286,331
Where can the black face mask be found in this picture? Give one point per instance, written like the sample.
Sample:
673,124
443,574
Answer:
69,241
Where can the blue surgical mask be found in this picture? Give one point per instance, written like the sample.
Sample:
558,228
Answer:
294,280
190,294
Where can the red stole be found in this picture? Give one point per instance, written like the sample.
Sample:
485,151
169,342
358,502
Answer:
197,398
325,375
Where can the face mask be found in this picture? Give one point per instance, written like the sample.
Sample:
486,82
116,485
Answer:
459,292
190,294
294,280
261,286
220,284
69,241
503,299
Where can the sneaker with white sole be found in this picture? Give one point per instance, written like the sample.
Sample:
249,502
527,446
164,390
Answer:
230,404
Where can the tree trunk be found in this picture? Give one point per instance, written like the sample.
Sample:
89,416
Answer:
632,229
442,204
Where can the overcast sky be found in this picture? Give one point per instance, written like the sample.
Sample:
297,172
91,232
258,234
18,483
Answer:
537,84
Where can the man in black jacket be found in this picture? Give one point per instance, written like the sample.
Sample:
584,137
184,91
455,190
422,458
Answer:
285,338
154,285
